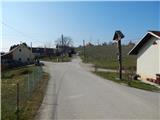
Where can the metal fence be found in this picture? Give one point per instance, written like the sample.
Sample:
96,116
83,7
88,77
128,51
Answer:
14,96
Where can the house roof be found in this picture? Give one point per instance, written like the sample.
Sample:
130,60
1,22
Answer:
9,54
156,33
6,55
143,41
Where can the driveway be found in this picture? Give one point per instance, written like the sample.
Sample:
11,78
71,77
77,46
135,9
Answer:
75,93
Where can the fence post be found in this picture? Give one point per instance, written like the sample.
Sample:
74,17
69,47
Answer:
33,77
17,111
37,72
40,73
28,86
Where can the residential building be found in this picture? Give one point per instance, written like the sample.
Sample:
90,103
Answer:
19,53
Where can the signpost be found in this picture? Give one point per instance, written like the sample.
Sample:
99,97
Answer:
117,37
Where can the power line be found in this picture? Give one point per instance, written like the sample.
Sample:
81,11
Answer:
22,33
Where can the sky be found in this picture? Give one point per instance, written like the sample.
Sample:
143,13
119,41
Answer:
43,22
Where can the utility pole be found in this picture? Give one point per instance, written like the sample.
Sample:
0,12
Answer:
62,47
31,56
45,52
117,37
31,46
98,42
84,50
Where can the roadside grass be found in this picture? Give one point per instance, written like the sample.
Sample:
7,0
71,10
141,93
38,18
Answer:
106,56
31,107
9,79
57,59
113,76
16,72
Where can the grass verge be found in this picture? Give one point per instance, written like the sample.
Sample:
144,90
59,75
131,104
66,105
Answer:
31,95
34,103
132,83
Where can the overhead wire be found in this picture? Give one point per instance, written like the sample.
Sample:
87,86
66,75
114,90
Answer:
22,33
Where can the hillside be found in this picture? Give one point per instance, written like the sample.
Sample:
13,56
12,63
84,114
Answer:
106,56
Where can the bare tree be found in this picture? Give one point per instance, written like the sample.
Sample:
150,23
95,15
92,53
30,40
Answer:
67,41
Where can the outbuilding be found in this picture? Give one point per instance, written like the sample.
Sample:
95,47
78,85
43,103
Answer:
148,55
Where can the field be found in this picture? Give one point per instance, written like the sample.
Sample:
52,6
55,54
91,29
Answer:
32,84
106,56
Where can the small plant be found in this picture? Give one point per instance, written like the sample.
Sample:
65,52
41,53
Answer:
129,75
96,67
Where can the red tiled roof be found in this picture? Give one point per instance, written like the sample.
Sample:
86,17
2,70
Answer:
156,33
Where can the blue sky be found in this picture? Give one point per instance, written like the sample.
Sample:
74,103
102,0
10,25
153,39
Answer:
43,22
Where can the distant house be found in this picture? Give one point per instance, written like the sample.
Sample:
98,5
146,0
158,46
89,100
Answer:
20,53
2,53
41,52
148,55
64,50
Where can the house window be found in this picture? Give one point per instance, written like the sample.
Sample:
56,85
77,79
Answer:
28,59
20,50
19,59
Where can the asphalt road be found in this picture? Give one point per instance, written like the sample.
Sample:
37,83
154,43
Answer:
75,93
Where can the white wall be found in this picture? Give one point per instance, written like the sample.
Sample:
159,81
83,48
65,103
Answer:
148,63
158,41
24,54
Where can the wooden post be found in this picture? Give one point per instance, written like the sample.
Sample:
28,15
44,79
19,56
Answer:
120,59
117,37
84,50
28,86
17,111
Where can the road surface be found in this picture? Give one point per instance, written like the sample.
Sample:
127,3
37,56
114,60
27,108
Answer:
75,93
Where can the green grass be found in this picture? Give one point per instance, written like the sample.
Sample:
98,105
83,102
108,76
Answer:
32,105
105,56
16,72
9,79
132,83
57,59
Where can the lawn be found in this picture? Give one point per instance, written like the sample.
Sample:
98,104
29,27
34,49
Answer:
106,56
32,84
132,83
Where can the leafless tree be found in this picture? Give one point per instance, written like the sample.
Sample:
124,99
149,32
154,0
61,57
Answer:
67,41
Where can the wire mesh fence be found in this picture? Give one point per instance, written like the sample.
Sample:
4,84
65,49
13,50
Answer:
14,98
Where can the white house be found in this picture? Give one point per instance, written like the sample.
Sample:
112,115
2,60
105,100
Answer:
21,53
148,55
